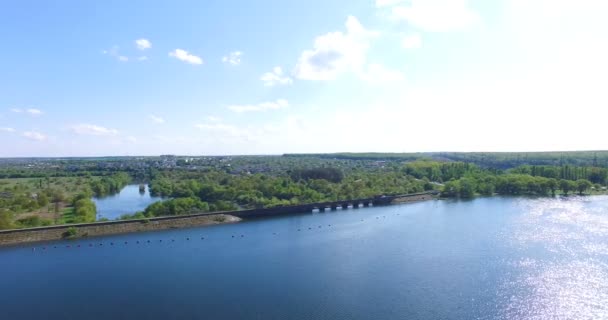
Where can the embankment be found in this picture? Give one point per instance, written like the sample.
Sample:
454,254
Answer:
10,237
414,198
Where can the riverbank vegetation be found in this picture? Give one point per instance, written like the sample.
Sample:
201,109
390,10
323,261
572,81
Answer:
35,202
466,180
38,192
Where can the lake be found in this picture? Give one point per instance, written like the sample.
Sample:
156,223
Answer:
128,201
489,258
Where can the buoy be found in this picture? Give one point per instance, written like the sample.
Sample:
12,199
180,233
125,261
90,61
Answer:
137,241
126,242
298,229
148,241
202,238
242,236
161,240
233,236
111,243
78,246
187,238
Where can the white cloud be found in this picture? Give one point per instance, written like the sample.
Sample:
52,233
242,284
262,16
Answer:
411,41
142,58
30,111
34,135
114,53
185,56
7,129
437,15
143,44
387,3
156,119
264,106
131,139
379,74
335,52
93,130
34,112
275,77
233,58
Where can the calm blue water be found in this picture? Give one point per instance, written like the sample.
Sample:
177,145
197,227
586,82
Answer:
492,258
128,201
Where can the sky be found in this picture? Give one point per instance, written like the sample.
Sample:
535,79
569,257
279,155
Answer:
219,77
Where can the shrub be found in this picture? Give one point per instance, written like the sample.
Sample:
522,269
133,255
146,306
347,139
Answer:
71,233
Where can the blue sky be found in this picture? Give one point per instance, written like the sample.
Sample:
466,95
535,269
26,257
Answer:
84,78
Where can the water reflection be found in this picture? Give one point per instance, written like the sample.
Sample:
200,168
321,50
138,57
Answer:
563,273
131,199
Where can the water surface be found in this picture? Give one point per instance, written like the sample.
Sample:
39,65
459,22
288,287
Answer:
128,201
490,258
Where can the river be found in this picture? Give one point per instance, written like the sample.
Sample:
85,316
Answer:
128,201
489,258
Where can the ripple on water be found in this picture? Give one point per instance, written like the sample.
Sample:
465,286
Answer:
575,290
568,278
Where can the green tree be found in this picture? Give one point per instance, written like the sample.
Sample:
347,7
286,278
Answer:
567,186
451,189
583,185
85,210
6,219
42,199
467,187
552,185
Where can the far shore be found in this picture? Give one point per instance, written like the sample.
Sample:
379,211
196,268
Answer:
75,231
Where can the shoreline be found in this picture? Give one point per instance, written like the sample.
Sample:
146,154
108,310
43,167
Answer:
95,229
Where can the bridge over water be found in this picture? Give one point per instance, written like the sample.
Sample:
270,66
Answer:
334,205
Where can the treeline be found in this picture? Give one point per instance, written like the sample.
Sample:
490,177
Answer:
180,206
330,174
110,184
496,160
507,160
467,180
512,184
377,156
443,171
222,191
566,172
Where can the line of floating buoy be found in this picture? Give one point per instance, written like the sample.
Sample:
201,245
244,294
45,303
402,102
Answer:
173,240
